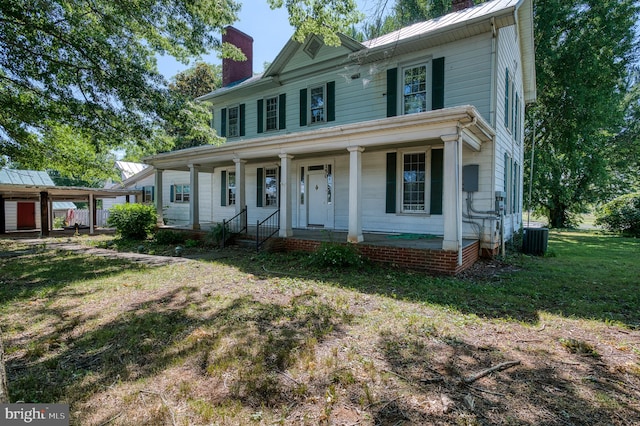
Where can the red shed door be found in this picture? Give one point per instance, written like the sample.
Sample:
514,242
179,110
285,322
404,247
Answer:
26,215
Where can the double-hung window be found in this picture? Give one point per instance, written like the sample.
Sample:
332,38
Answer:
181,193
271,113
414,89
147,194
233,122
318,101
271,187
231,188
413,182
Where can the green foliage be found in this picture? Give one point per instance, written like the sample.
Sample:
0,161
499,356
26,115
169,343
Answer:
166,237
331,254
199,80
580,109
217,234
191,243
326,18
132,221
92,66
621,215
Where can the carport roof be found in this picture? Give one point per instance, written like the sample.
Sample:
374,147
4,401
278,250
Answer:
59,193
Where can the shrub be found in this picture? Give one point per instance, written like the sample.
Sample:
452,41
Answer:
217,233
621,215
166,237
132,221
334,254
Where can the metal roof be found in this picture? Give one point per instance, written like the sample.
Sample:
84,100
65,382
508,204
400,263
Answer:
128,169
25,177
481,11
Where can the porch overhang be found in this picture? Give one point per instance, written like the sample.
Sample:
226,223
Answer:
464,121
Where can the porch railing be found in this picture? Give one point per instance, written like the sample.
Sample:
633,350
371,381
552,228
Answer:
267,229
234,226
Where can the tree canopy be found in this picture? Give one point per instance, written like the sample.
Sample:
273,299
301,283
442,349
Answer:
90,66
583,63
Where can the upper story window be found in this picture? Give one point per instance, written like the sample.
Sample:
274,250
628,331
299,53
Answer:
233,122
414,89
271,113
318,104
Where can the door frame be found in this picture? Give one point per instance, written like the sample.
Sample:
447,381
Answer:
303,208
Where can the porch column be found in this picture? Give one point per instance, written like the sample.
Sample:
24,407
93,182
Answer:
50,221
452,193
194,197
44,214
355,194
92,214
241,198
159,202
285,196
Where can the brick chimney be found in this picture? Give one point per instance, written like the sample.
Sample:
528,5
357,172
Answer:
234,71
459,5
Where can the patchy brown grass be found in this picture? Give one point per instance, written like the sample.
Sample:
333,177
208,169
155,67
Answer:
240,338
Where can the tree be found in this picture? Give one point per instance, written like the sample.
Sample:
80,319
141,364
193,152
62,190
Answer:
192,124
584,49
90,65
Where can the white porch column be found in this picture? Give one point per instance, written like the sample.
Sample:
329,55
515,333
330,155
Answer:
355,194
158,194
285,196
452,193
241,193
92,214
194,197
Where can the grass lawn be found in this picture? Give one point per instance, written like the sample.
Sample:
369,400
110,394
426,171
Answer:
235,338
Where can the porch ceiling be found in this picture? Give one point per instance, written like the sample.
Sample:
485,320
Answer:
465,121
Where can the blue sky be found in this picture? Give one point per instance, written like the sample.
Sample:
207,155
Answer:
270,30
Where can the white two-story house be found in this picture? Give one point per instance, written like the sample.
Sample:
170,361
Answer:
419,131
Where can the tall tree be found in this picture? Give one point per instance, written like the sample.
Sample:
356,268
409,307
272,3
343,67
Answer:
90,64
584,49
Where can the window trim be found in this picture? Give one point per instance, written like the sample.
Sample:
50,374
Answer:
228,119
231,172
428,92
427,151
277,112
181,193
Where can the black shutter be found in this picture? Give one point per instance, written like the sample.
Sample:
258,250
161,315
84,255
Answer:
153,194
241,112
392,92
282,112
437,90
171,193
437,173
260,187
223,188
331,101
223,122
260,115
303,107
391,182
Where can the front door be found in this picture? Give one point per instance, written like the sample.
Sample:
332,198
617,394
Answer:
317,198
26,215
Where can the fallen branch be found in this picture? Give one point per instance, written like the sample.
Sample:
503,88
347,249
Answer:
488,371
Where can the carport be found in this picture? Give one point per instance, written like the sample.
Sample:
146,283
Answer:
46,195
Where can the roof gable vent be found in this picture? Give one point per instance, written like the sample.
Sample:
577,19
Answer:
312,47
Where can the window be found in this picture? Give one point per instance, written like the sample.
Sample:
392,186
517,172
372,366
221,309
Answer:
233,122
231,189
413,183
301,186
414,89
317,104
180,193
147,194
271,113
271,187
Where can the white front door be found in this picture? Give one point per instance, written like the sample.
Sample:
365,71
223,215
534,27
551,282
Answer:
317,198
